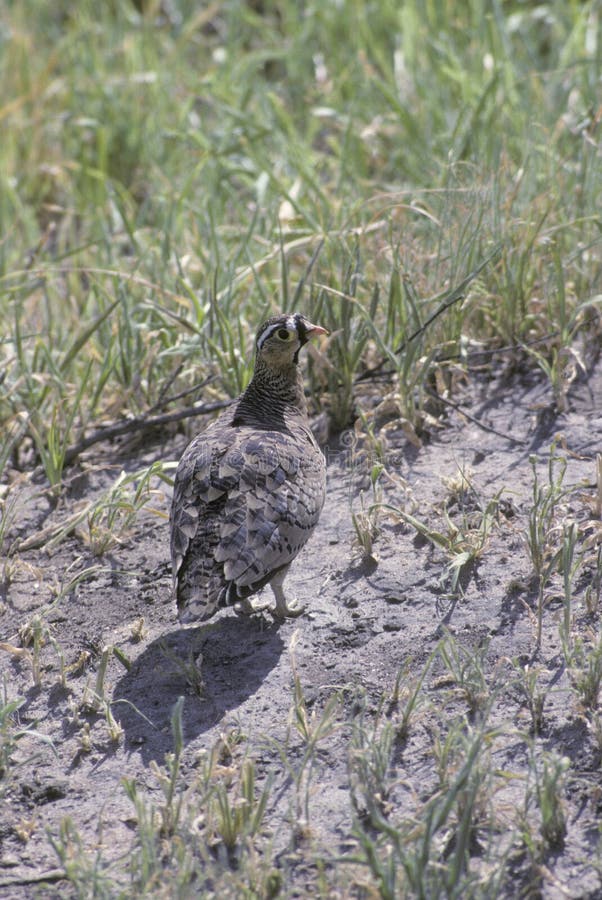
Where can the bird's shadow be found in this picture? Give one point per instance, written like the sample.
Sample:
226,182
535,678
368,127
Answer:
237,654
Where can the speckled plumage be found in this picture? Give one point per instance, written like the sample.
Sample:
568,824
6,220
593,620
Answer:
249,489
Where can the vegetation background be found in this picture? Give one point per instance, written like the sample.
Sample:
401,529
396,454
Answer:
424,179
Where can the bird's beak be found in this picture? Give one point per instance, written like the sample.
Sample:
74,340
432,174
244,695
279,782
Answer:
314,330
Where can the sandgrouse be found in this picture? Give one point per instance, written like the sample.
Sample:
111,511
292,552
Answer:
249,489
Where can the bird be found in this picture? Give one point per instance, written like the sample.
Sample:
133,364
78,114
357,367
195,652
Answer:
249,489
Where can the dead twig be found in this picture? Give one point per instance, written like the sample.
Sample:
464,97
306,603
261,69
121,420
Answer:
35,878
137,423
453,296
474,419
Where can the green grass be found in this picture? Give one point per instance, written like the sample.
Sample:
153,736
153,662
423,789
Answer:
166,180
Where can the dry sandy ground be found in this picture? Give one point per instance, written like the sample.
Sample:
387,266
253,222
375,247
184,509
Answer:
365,620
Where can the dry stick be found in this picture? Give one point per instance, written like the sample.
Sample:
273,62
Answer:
109,432
453,296
164,401
34,878
485,352
458,293
474,419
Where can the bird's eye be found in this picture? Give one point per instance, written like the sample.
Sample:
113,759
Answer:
284,334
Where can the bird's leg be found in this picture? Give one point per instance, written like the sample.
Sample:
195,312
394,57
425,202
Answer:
284,609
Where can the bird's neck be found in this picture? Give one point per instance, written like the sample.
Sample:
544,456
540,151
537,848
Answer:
272,391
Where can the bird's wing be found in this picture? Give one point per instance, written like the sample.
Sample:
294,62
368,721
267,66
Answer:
273,510
192,491
244,504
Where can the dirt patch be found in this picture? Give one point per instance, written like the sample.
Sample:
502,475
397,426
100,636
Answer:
367,620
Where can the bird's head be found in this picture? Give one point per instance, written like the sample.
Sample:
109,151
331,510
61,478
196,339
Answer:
279,339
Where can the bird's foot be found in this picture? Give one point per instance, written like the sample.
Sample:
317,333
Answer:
286,609
246,607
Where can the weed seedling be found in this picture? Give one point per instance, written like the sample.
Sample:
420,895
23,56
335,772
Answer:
137,630
239,819
85,871
584,665
541,536
568,567
35,634
528,682
191,667
85,738
98,696
114,729
111,518
168,776
407,698
370,754
466,667
365,522
463,543
594,589
9,733
550,774
25,828
8,516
